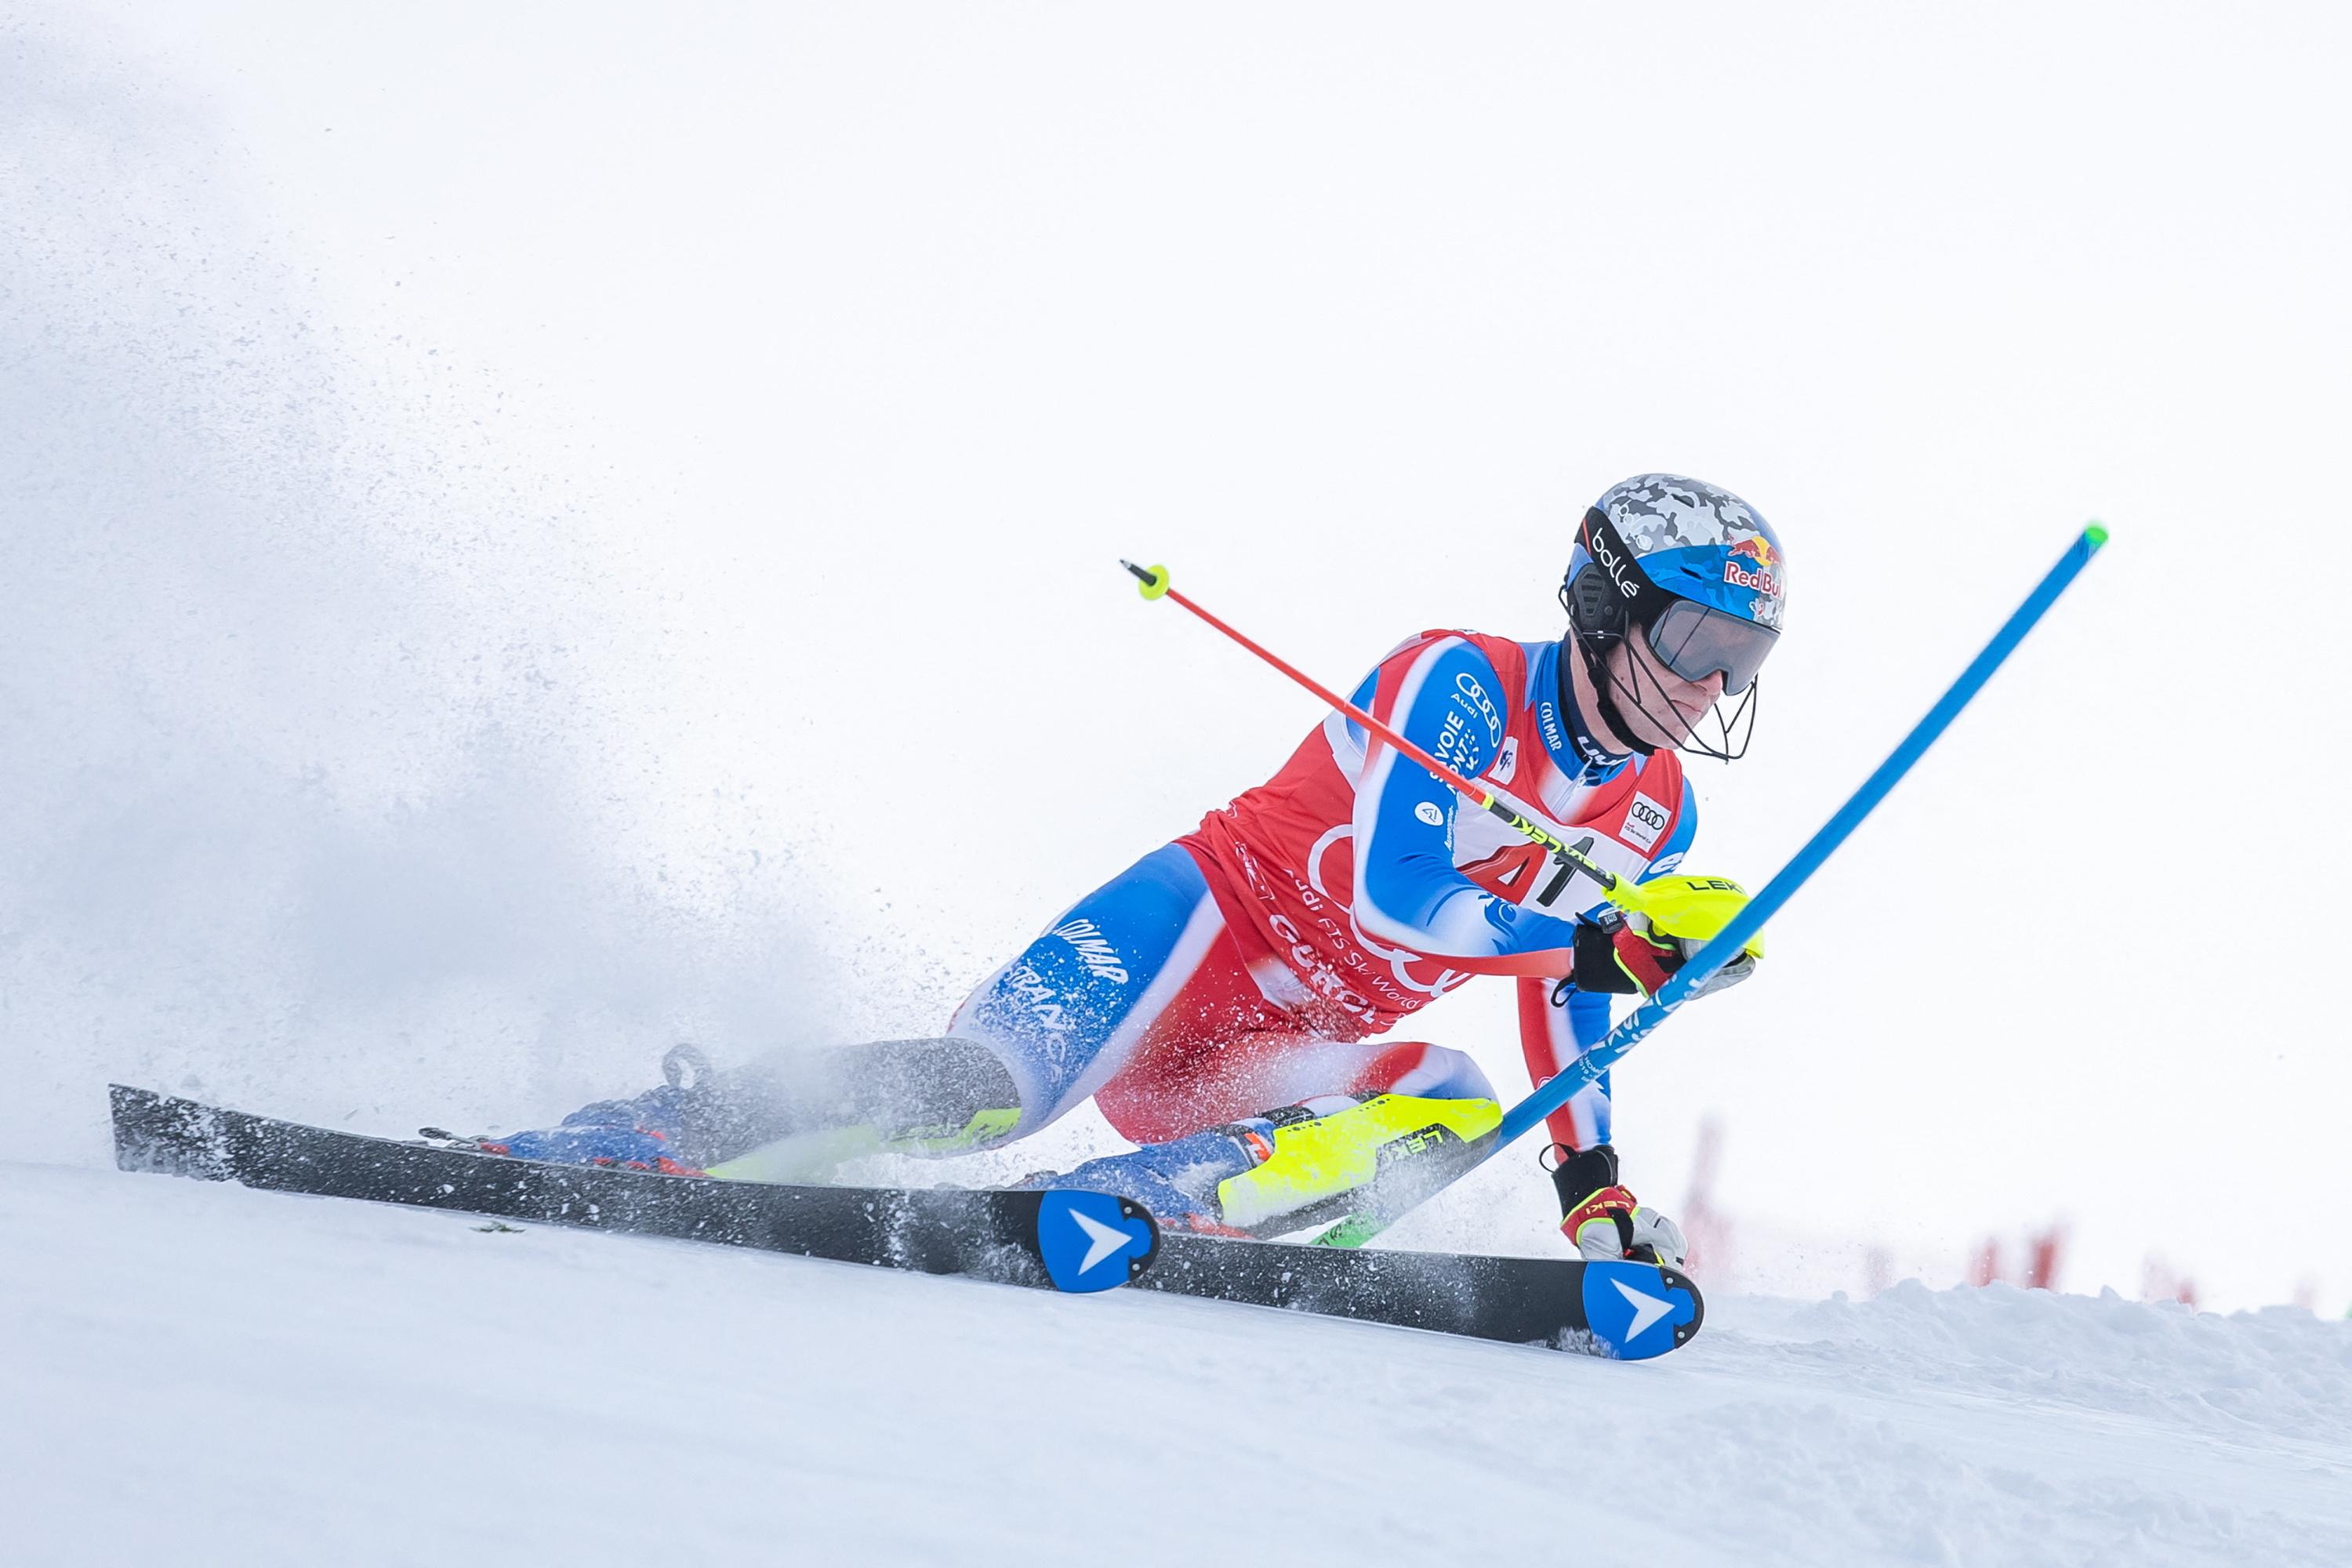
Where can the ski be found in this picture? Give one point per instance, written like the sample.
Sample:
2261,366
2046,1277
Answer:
1056,1238
1631,1311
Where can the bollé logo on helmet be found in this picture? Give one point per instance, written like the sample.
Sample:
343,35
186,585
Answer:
1760,576
1620,571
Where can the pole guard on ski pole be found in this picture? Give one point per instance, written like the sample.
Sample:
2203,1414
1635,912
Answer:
1622,891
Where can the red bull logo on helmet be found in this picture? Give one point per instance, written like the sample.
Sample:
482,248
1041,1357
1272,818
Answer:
1753,563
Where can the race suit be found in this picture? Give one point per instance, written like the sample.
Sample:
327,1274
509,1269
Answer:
1249,965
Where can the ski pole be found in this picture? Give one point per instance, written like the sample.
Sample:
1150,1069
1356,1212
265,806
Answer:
1557,1091
1622,891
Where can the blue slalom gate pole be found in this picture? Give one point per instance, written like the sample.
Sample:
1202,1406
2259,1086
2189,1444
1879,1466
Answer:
1558,1090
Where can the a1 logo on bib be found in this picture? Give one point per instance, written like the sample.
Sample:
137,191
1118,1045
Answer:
1645,819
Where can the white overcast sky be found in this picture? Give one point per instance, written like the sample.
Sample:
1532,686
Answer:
866,337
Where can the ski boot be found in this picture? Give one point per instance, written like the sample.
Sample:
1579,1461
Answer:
1292,1168
1178,1181
642,1134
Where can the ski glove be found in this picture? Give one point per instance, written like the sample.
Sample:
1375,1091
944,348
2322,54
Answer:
1638,953
1603,1218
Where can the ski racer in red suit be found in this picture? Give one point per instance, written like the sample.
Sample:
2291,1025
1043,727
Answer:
1230,1001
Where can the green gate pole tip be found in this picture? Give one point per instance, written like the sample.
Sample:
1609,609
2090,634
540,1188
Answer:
2096,533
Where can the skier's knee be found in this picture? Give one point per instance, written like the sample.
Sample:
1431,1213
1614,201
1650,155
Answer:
1423,1071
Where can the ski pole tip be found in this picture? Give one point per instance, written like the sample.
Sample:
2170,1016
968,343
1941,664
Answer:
2096,533
1153,579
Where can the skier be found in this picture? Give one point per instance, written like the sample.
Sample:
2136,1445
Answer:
1219,1000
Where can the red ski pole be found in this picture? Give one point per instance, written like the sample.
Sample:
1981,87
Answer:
1622,891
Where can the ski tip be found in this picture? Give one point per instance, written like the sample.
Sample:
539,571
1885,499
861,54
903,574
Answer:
2096,535
163,1135
1640,1310
1093,1241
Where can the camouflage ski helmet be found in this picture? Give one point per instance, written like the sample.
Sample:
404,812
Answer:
1660,537
1697,569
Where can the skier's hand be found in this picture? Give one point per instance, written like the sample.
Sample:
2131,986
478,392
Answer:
1603,1218
1644,949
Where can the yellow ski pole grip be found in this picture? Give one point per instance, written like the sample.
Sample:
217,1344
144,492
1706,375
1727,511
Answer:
1627,895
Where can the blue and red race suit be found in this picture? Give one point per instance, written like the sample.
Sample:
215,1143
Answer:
1245,965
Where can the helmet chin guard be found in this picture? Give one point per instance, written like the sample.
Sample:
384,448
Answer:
1733,729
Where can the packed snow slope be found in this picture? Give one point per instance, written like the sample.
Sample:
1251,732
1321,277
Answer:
197,1373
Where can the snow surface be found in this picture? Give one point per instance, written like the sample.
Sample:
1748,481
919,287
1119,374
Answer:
223,1375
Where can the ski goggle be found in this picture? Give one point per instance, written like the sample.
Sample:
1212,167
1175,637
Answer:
1696,641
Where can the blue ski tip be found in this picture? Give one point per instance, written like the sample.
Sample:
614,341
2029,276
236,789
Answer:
1635,1308
1093,1241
